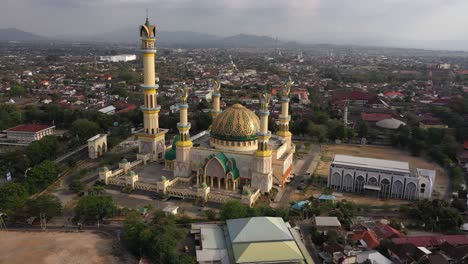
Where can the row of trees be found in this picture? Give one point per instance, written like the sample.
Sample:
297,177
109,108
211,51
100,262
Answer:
435,215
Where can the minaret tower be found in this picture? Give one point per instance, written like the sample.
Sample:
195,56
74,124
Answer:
184,144
284,118
152,140
216,99
262,176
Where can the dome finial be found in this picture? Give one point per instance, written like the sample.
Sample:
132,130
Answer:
147,23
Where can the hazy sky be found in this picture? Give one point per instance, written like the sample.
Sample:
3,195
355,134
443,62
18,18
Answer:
397,21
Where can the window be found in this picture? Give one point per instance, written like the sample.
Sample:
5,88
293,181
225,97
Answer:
423,188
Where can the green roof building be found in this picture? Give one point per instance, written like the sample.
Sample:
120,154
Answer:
251,240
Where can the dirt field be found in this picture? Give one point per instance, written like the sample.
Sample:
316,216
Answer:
379,152
58,247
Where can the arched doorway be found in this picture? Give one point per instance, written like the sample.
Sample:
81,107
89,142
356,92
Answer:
410,192
359,184
385,188
348,183
335,181
397,190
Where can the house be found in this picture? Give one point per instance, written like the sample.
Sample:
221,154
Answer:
375,117
109,110
404,253
358,98
325,224
393,94
432,241
428,121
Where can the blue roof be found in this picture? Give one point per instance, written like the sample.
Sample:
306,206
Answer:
327,197
299,205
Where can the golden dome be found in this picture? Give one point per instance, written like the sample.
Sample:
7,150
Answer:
236,123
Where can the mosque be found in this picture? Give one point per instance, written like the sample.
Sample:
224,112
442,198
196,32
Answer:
237,150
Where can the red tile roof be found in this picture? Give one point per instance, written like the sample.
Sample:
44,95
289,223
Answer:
28,128
368,237
353,95
432,241
375,117
130,107
393,93
385,231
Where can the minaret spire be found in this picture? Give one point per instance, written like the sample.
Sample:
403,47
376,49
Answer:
262,174
152,142
216,99
284,118
182,166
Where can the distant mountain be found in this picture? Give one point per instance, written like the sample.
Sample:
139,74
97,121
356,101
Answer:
191,39
13,34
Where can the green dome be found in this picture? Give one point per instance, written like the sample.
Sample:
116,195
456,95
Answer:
247,192
124,160
163,178
131,173
104,168
203,185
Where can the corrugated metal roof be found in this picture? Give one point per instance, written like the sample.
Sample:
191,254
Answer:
327,221
392,165
258,229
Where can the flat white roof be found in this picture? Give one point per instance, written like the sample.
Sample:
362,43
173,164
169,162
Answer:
391,165
212,237
327,221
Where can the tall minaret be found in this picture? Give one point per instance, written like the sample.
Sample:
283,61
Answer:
262,176
151,141
284,118
182,166
216,99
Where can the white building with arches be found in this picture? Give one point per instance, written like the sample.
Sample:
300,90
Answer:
381,178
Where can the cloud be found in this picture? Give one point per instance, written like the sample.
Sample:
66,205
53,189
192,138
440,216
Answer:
302,20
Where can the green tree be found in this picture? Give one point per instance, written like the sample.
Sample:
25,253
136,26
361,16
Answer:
95,207
363,129
233,209
84,129
41,176
40,150
318,132
17,90
10,116
76,186
12,197
45,204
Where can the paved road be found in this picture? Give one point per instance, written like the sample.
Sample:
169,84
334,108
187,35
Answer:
307,164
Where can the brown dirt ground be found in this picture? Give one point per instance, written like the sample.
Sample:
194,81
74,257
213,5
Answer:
57,247
380,152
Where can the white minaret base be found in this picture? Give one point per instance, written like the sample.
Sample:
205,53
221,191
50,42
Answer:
182,167
262,177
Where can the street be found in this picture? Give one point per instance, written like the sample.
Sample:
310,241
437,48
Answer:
308,163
